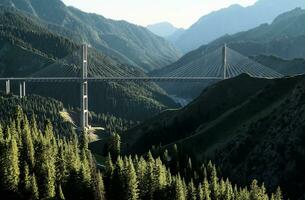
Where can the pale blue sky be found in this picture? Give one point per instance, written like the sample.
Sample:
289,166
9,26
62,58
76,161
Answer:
181,13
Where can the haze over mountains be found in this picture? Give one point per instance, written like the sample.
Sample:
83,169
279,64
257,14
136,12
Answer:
127,42
232,20
163,29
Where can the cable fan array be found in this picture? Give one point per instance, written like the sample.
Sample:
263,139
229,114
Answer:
212,65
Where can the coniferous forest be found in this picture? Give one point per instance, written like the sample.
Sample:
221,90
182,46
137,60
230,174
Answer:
39,164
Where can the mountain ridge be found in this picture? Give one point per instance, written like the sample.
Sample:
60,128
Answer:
163,29
232,20
118,39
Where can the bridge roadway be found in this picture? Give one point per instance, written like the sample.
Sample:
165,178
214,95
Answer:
102,79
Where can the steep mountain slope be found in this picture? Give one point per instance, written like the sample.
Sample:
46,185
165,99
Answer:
27,49
251,127
286,67
130,43
212,103
163,29
232,20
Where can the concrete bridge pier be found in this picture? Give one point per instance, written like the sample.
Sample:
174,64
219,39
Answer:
22,89
7,87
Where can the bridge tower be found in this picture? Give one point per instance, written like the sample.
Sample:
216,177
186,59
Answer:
224,60
84,117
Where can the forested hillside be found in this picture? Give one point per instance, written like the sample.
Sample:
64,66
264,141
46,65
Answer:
36,108
129,43
28,49
251,127
37,164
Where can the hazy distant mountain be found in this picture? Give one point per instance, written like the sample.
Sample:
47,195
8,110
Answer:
232,20
163,29
129,43
175,36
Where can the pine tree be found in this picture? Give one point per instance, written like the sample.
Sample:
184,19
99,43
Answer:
278,195
28,146
84,140
26,179
192,193
100,186
179,191
34,188
115,145
10,164
131,181
206,190
118,181
85,168
214,183
229,193
150,178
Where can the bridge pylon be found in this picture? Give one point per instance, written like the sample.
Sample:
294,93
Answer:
224,60
84,117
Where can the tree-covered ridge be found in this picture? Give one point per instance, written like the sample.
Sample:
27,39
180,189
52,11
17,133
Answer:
35,164
148,179
36,107
23,30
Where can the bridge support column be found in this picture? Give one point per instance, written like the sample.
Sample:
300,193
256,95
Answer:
22,89
224,58
84,121
7,87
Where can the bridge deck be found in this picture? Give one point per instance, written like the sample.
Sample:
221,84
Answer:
102,79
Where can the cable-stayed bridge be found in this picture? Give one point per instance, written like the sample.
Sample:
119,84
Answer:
223,63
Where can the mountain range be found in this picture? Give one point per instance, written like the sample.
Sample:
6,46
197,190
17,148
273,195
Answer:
28,48
129,43
284,38
232,20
